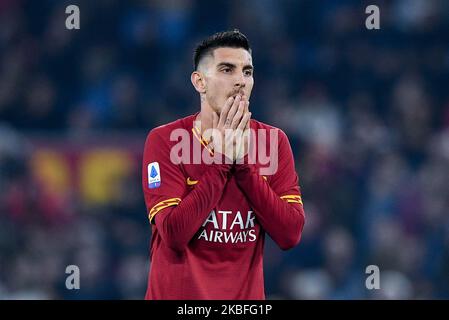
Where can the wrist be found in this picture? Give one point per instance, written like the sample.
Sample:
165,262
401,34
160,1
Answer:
243,167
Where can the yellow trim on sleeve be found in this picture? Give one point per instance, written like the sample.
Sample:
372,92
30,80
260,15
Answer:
293,201
162,205
292,198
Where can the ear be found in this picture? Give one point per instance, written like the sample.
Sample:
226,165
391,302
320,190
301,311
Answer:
198,81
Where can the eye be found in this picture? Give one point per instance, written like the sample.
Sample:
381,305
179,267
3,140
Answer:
226,70
248,73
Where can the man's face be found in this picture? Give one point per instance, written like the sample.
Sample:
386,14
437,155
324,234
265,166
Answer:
227,73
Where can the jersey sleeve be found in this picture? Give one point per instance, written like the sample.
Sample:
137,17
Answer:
180,212
163,182
285,181
277,203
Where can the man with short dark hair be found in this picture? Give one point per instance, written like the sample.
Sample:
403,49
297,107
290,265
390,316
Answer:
210,190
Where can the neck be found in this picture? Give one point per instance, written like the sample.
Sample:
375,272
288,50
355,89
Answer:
204,118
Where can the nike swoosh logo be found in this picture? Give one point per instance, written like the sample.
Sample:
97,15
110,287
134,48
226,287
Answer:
191,182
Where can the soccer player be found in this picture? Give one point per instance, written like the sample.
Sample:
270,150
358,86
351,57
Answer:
209,219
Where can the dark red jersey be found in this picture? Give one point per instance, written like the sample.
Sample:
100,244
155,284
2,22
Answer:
209,220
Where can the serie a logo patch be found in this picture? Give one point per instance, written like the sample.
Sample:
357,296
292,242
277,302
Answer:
154,175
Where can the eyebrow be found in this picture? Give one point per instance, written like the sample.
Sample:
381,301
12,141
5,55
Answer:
231,65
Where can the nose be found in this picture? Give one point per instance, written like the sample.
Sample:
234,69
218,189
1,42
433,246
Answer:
240,81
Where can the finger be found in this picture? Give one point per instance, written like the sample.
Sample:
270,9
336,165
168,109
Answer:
244,99
233,110
238,115
224,111
245,121
247,110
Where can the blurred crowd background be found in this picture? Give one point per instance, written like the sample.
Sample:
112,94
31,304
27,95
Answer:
366,111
